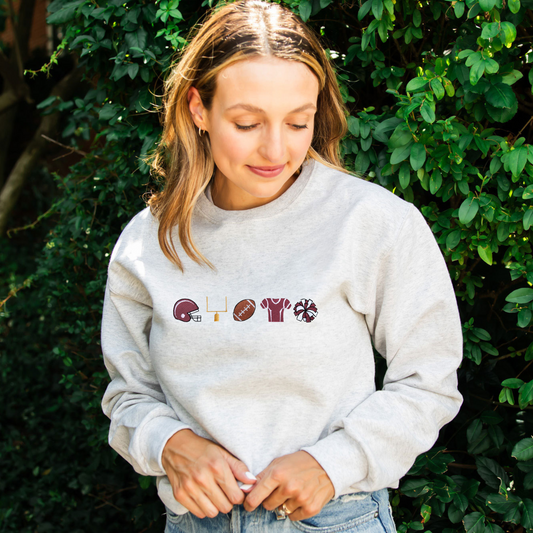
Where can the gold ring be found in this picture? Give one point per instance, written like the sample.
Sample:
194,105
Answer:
282,512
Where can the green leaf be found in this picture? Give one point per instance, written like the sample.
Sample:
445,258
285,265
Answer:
66,13
137,39
520,296
500,95
512,77
454,514
512,383
305,9
514,6
523,320
506,504
453,239
133,69
46,102
487,5
474,430
400,154
415,487
440,66
496,435
461,502
364,9
491,472
466,53
490,30
485,253
495,164
416,84
526,392
377,9
437,87
468,210
459,9
509,396
528,219
435,181
491,66
427,112
523,450
474,523
507,33
405,176
353,126
425,512
477,71
417,18
473,58
528,193
517,160
527,513
418,156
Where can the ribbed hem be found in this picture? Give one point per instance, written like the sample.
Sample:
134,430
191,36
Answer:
156,434
342,459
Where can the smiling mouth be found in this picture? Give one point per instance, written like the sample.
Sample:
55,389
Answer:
268,169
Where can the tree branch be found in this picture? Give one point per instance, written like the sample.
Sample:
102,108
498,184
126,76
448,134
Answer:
17,90
31,155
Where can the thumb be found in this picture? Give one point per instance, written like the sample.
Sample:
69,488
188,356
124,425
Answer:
240,470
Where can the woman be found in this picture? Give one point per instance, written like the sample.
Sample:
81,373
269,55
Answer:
245,382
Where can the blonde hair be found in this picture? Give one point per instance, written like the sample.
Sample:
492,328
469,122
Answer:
183,160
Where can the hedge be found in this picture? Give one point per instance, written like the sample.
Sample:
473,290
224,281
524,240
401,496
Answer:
440,99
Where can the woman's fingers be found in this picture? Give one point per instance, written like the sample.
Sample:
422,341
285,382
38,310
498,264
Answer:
207,505
202,472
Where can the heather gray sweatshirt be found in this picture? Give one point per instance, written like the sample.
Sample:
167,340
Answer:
272,353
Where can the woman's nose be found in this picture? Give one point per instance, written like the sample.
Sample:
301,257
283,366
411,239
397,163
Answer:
273,145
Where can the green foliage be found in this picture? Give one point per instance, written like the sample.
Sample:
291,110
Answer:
440,98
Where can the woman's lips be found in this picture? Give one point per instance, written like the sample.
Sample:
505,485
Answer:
267,173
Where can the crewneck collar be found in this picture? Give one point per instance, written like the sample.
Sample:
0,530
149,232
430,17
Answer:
211,211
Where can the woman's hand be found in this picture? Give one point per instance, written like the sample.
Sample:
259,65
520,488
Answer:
203,475
296,480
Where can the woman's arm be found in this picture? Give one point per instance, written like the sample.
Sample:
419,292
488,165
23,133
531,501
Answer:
144,429
415,325
141,420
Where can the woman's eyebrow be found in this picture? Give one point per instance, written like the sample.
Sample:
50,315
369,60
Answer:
255,109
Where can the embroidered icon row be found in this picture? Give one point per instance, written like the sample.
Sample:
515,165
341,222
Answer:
305,310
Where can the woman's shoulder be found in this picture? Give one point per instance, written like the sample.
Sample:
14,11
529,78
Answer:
358,195
137,233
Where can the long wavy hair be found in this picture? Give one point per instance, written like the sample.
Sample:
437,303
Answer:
183,160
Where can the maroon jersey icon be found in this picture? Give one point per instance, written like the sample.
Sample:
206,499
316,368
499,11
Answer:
305,310
276,307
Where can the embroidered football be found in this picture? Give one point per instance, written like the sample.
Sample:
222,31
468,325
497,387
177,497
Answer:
244,310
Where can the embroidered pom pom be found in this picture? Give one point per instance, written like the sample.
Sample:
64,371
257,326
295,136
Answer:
305,310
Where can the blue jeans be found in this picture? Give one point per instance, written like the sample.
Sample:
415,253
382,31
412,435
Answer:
363,512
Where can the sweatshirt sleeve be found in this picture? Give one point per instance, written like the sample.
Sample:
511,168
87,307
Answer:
414,323
141,420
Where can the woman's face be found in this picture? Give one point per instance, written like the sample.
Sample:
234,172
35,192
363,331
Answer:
282,89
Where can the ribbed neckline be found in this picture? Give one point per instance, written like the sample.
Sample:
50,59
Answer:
211,211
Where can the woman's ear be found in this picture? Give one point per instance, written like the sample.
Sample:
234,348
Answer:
196,108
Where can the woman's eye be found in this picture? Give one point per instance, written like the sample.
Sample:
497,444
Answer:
296,126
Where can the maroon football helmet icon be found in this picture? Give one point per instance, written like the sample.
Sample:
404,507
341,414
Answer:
184,309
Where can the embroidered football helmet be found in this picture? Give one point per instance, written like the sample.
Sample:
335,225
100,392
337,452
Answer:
184,309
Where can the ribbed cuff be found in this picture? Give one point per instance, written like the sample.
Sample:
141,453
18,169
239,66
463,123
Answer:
156,434
342,459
